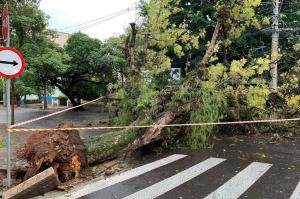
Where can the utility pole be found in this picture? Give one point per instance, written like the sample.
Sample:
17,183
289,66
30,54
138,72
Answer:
275,45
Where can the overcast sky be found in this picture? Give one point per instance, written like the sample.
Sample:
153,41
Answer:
66,13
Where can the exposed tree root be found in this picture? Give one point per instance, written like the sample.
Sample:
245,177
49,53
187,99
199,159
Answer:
62,150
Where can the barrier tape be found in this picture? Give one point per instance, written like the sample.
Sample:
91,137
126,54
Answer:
154,125
55,113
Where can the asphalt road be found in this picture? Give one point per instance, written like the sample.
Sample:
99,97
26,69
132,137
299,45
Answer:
90,117
244,167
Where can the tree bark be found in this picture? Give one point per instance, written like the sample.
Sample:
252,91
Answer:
73,100
132,43
146,41
210,47
45,99
152,134
100,150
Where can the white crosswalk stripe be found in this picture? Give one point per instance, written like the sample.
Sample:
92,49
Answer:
237,185
82,191
176,180
296,193
232,189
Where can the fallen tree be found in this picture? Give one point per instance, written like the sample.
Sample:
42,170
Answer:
119,144
195,99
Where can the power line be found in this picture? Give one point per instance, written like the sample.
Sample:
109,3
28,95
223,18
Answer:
96,21
96,24
90,21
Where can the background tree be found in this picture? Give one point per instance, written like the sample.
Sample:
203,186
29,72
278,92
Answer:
82,70
28,23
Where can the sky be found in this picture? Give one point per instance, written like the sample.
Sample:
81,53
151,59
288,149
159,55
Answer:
66,13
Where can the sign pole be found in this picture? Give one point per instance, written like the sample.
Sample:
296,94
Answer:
8,105
4,96
13,63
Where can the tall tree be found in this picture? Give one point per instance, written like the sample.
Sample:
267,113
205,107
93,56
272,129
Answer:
82,70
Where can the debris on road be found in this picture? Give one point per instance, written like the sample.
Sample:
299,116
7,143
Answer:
39,184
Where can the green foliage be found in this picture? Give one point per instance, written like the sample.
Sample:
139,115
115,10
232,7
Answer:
235,84
204,103
257,97
294,102
62,97
137,99
108,143
244,78
212,105
28,24
2,145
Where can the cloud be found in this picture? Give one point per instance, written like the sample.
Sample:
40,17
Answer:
65,13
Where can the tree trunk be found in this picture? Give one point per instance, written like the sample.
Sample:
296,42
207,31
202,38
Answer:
25,99
152,134
72,99
210,47
45,99
123,142
78,101
146,41
132,47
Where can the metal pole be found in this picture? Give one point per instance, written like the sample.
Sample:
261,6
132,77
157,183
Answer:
4,96
8,85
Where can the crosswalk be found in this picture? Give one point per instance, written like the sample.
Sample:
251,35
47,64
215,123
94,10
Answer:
296,193
232,189
176,180
237,185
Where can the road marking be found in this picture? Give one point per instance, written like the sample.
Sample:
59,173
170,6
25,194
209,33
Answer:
82,191
175,180
296,193
237,185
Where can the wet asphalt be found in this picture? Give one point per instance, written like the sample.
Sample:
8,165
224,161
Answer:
90,117
278,182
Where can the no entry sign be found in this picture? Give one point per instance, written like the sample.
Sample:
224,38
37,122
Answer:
12,63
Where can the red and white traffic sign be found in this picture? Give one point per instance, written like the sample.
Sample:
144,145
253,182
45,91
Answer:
12,63
5,23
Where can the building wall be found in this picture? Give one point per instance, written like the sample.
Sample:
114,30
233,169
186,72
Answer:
61,38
